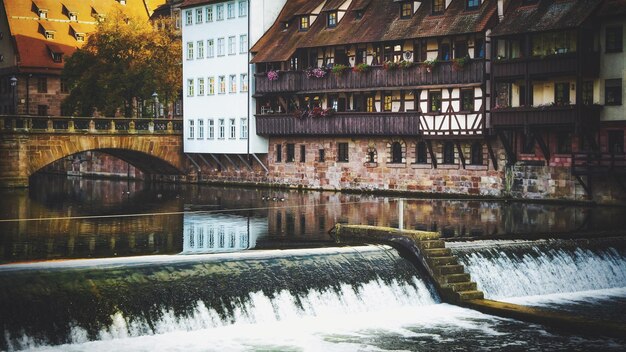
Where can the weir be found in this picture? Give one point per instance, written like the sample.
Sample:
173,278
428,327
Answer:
454,284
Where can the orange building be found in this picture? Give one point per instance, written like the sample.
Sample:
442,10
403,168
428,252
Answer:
36,36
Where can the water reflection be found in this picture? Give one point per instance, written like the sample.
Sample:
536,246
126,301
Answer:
81,218
220,233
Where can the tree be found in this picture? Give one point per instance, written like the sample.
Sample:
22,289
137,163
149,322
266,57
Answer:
123,63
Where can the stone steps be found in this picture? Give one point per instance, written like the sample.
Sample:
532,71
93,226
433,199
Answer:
439,261
432,244
438,252
470,295
462,286
454,278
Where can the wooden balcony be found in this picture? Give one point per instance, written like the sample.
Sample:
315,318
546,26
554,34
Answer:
340,124
376,77
553,65
585,164
546,116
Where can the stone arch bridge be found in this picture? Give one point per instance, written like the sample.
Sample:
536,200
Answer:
28,143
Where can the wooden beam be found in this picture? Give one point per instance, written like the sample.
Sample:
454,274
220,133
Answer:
461,156
433,159
543,146
243,160
217,161
492,155
586,187
232,162
508,148
260,163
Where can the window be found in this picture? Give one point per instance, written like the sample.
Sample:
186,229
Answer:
467,100
191,129
231,45
321,155
476,154
190,87
210,129
406,10
472,4
387,102
221,129
291,153
211,86
304,23
200,49
479,48
244,128
220,47
244,82
438,6
279,153
64,87
614,39
200,129
188,18
444,51
243,8
342,152
200,86
177,19
43,13
232,83
434,101
189,50
302,153
371,156
561,93
460,49
49,35
198,15
219,9
332,19
421,153
230,9
613,92
448,153
210,48
564,143
616,142
209,13
243,43
221,83
396,153
232,128
42,85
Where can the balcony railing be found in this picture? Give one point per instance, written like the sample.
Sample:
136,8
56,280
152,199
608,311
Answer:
340,124
548,115
443,73
598,164
92,125
561,64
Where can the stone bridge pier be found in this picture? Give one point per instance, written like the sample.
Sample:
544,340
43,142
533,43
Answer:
27,144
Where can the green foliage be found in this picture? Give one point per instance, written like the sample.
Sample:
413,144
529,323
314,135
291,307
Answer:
361,68
123,62
339,69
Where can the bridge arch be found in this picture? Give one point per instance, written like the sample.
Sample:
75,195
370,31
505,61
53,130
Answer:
24,153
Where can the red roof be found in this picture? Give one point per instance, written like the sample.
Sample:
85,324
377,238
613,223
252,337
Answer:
380,22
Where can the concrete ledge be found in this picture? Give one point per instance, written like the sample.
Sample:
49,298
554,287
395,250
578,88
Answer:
379,232
555,319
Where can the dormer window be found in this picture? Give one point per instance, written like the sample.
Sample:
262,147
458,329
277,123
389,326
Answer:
43,13
73,16
284,25
49,35
55,53
359,14
438,6
472,4
99,16
406,10
80,37
122,2
332,19
304,23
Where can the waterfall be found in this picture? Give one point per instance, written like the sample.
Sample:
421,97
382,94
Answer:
79,301
520,268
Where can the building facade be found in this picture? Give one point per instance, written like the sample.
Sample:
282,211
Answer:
219,118
35,38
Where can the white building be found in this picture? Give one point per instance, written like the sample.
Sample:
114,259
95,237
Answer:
217,98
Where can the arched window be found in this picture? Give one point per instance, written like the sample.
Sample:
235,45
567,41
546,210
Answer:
372,156
396,152
420,153
477,153
448,153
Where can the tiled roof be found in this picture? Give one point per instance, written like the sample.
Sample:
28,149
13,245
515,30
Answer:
191,3
612,8
380,22
546,15
27,28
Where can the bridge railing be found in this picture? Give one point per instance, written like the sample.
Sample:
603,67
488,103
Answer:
96,125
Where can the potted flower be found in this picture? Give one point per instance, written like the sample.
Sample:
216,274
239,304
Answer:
272,75
390,65
361,67
328,112
315,72
406,64
339,69
428,65
459,63
316,112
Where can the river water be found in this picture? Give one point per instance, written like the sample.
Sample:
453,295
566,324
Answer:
199,268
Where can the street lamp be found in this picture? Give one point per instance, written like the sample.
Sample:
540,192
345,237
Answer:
155,97
13,81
